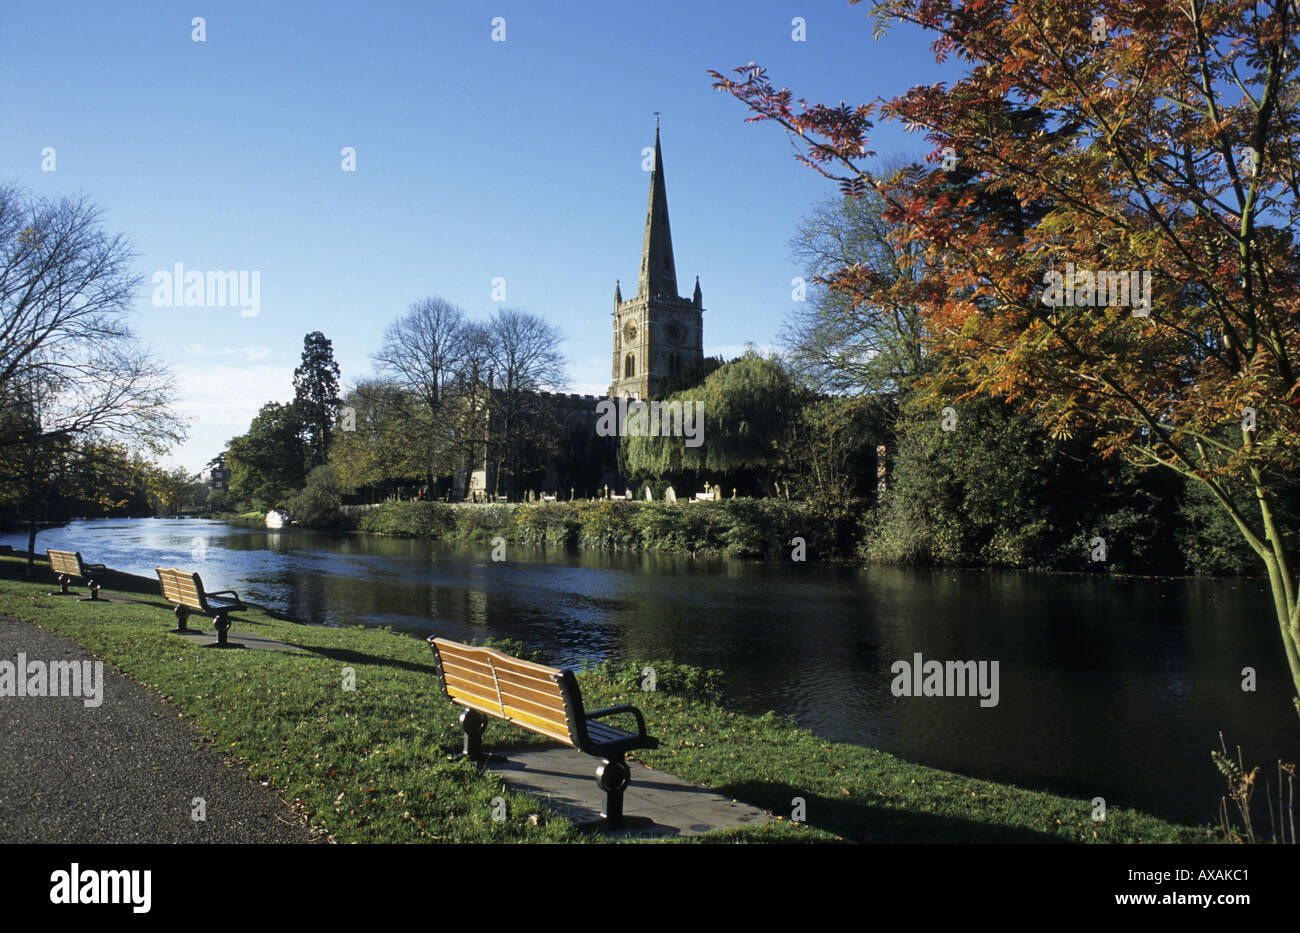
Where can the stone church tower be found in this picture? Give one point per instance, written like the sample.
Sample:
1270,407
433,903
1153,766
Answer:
657,333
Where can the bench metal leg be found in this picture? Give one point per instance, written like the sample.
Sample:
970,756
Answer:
94,594
64,580
222,624
613,776
473,723
182,613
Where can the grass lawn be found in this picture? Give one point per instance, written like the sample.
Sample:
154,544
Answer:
370,764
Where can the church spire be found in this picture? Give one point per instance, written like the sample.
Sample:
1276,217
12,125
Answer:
658,270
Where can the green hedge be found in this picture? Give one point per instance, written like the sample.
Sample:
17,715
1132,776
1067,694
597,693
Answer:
415,519
759,529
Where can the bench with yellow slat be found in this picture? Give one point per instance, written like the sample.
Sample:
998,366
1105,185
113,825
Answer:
185,591
69,566
543,699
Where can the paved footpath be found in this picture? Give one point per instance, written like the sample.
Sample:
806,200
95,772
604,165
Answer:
127,770
655,804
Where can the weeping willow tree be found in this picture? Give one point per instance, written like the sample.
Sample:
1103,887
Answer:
743,418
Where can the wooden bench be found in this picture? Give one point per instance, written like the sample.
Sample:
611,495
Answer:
69,566
544,700
185,590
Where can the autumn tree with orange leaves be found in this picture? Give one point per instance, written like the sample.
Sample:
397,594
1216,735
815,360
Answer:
1091,146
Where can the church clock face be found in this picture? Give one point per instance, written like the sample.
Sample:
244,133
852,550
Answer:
629,332
675,332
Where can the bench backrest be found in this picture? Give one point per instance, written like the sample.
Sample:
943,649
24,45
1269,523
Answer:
184,589
517,691
65,562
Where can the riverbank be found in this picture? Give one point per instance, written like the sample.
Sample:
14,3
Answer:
743,529
754,529
371,764
256,516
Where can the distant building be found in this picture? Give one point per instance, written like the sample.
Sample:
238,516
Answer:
583,464
657,333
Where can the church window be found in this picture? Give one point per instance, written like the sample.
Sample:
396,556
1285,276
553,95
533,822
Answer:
675,364
629,366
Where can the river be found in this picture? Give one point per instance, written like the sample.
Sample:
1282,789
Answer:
1110,687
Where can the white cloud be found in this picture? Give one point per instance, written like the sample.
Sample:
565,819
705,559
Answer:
230,394
251,354
220,402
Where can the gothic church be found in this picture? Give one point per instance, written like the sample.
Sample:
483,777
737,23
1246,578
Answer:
657,333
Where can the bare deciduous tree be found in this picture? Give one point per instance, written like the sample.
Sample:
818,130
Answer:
840,342
70,367
522,355
427,351
426,348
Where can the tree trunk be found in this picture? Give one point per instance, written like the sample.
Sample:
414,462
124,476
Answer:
1290,638
1280,582
31,515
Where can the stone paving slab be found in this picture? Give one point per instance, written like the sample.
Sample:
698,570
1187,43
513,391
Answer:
656,804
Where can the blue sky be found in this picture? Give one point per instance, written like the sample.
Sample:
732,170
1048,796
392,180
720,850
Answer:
475,160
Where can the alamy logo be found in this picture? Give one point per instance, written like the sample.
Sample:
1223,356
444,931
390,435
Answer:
87,886
919,678
1083,288
26,678
628,418
211,289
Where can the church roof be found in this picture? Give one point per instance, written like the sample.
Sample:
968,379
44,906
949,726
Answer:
658,268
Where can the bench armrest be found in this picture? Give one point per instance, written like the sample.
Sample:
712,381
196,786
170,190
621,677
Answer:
602,713
225,596
94,568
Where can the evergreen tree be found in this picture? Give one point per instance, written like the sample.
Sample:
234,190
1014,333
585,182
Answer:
316,395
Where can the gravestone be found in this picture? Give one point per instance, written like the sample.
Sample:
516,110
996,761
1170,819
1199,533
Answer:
629,496
649,495
670,496
717,493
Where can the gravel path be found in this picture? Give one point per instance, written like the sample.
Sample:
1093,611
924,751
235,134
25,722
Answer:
125,771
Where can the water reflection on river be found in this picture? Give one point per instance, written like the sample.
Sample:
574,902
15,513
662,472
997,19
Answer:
1108,687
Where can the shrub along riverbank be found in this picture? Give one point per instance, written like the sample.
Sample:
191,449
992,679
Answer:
371,764
253,515
761,529
769,529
